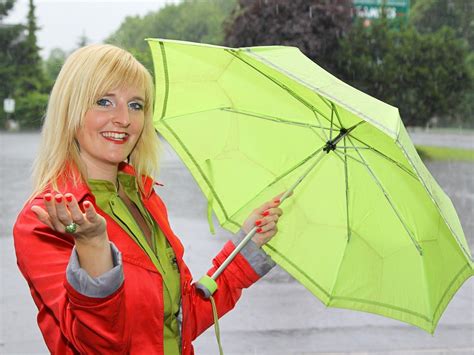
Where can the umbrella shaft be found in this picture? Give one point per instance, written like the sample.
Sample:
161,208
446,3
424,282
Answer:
231,257
249,236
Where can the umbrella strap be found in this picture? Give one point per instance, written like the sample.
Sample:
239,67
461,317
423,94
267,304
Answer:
216,325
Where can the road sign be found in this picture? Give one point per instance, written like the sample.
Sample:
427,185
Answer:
9,105
372,9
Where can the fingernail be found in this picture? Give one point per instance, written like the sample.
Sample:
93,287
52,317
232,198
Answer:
47,198
277,201
257,223
266,213
59,198
259,230
69,198
86,204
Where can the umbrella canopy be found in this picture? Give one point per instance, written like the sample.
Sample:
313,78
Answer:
368,228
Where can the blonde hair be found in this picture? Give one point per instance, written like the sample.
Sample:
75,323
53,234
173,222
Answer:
87,74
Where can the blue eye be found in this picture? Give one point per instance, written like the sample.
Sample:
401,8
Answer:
103,102
135,106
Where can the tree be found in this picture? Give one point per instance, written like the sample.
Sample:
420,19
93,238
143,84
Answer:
424,75
21,70
5,7
429,16
28,58
53,64
191,20
83,40
314,26
10,37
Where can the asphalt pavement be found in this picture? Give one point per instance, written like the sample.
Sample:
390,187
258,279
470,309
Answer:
275,316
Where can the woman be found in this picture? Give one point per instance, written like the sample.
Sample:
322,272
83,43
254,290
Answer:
94,243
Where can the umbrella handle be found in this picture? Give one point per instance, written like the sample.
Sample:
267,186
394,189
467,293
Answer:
207,284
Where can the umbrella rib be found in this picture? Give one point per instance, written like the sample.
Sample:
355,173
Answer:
333,107
192,113
349,156
281,85
330,132
319,135
271,118
326,101
386,157
278,178
319,121
321,91
347,195
167,86
466,253
204,177
379,184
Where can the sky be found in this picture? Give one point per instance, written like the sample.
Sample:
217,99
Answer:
63,22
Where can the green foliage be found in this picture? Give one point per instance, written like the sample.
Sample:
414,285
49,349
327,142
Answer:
10,36
53,64
21,73
30,109
424,75
314,26
5,7
29,60
444,153
431,15
83,40
191,20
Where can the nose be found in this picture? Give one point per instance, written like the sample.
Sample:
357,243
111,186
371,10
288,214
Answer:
121,116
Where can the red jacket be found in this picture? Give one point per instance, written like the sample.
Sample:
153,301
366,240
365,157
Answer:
131,319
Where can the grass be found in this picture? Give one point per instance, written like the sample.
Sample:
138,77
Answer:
444,153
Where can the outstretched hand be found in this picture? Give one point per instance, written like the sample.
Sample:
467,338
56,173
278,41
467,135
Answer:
63,210
265,218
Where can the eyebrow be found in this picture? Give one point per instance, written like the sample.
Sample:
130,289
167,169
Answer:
131,99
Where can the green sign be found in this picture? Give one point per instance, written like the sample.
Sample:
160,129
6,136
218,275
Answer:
372,9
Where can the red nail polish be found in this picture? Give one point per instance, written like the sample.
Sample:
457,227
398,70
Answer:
266,213
259,230
257,223
59,199
69,198
47,198
277,201
86,204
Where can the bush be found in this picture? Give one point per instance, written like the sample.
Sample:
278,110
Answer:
424,75
30,110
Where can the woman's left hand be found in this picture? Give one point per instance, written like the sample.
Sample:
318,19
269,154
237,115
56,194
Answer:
265,218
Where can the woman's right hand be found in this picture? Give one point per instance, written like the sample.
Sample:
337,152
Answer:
91,240
62,210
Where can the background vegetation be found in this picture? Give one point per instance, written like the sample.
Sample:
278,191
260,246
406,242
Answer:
424,64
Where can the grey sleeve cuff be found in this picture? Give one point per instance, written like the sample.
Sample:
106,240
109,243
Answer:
255,256
101,286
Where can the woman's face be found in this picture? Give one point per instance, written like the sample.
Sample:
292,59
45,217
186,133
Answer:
111,129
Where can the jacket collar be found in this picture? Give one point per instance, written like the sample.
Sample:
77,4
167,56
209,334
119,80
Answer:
71,181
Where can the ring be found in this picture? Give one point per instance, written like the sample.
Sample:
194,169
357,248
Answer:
71,228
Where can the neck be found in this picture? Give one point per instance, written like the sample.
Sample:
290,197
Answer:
101,171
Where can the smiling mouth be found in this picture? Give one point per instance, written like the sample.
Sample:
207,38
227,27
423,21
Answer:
115,137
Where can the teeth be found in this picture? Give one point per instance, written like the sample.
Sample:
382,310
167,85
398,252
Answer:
113,135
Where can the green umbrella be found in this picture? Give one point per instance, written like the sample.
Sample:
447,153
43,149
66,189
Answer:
368,228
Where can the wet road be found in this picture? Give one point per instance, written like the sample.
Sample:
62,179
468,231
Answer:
277,315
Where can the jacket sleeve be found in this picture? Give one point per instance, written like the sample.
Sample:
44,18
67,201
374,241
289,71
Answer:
230,283
89,324
197,311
